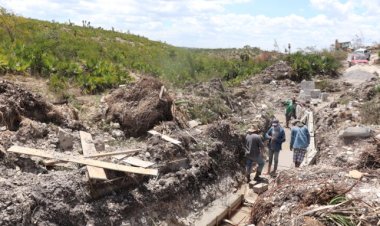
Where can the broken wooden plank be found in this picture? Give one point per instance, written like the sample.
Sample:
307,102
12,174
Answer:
138,162
161,92
165,137
82,160
112,153
119,157
50,162
229,222
88,147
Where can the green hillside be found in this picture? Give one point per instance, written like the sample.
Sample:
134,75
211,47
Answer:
96,59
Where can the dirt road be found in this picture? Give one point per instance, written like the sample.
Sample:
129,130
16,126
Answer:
359,74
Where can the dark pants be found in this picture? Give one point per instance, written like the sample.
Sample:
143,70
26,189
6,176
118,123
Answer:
289,116
259,160
275,154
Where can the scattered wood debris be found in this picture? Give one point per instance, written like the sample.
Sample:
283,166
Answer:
82,160
88,147
165,137
138,162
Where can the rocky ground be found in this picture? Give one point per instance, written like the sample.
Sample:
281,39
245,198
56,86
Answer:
207,164
342,186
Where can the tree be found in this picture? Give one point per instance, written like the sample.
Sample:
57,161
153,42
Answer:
276,47
7,23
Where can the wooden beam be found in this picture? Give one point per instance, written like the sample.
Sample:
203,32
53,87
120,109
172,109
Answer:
161,92
138,162
51,162
112,153
82,160
88,147
165,137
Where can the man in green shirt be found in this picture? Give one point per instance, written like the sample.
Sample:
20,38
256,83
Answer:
290,110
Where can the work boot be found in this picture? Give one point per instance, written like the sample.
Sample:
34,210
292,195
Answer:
273,173
257,177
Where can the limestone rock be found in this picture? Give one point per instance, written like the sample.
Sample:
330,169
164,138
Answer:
258,188
362,132
355,174
65,140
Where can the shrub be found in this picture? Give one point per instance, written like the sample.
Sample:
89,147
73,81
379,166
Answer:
308,65
57,83
3,64
97,59
210,110
370,112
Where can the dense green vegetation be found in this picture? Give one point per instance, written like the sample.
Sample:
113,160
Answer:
308,65
96,59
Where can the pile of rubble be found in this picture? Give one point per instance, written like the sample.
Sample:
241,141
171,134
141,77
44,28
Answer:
343,187
196,163
27,118
278,71
137,109
320,195
17,104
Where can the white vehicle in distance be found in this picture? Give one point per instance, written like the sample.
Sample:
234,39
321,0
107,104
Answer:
363,51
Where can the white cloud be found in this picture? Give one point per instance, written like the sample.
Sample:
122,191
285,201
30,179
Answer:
333,6
372,6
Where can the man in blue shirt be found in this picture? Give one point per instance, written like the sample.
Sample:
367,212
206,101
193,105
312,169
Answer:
255,149
276,136
299,142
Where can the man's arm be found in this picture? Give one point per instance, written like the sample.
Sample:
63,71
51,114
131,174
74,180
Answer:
282,135
261,145
292,137
268,135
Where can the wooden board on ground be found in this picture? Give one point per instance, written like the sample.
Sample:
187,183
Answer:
88,147
115,153
165,137
119,157
50,162
138,162
82,160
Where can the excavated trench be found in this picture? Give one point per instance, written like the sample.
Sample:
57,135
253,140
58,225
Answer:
67,198
208,164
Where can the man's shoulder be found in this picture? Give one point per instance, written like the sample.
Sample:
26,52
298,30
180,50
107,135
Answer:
295,128
255,137
251,136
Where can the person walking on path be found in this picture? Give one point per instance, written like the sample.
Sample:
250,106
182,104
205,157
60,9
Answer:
276,136
300,140
290,110
255,149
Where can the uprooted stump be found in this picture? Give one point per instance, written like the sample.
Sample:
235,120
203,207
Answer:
17,103
140,108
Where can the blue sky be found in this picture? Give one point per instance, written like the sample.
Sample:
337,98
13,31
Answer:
220,23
